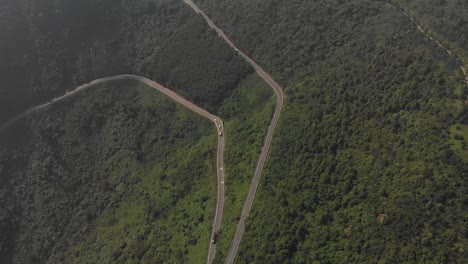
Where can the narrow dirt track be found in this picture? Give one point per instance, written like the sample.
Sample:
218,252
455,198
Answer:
433,39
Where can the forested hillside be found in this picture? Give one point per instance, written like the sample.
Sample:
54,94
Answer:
369,163
247,114
447,20
106,176
361,170
117,174
49,46
122,169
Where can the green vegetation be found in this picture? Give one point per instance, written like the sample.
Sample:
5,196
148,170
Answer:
116,174
135,172
369,163
129,198
459,140
48,47
361,169
447,20
247,114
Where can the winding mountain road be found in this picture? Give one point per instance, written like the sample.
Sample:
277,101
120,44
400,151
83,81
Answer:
266,145
221,143
216,120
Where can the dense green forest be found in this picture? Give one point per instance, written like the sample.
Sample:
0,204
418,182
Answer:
101,156
247,114
119,157
369,163
362,169
447,20
117,174
48,47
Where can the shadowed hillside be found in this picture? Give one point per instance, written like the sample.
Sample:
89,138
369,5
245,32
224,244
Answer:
48,47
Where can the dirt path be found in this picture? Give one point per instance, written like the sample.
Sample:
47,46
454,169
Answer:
447,50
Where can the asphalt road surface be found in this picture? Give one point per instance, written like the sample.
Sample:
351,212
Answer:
266,146
216,120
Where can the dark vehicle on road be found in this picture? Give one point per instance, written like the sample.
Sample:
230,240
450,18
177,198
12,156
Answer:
214,240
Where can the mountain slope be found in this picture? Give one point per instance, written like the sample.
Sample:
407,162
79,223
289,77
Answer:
122,174
361,169
49,47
